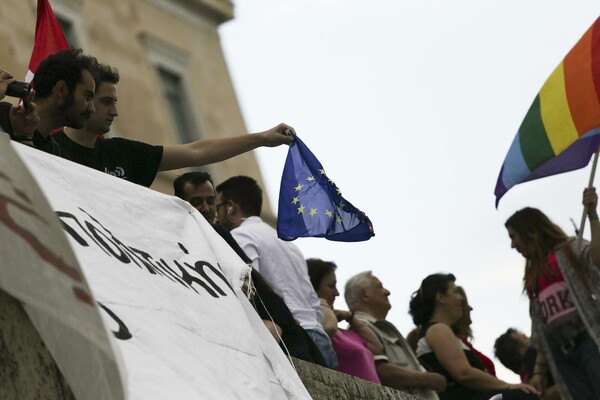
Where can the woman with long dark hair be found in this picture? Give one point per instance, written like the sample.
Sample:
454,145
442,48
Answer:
462,330
562,281
435,307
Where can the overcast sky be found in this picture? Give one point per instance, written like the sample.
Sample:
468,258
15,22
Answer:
411,108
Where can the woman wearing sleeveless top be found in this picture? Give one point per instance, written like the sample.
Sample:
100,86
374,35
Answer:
435,307
562,281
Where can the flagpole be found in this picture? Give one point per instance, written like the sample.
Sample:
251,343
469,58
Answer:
590,184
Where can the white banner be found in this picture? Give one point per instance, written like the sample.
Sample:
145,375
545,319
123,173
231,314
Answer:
171,322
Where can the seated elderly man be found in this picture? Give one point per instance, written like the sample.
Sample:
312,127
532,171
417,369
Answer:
368,300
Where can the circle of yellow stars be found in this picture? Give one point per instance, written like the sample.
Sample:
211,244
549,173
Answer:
313,211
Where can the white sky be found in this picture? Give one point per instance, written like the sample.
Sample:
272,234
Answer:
411,108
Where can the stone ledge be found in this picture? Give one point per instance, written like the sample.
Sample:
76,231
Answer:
326,384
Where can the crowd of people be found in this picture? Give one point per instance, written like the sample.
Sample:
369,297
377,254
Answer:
75,102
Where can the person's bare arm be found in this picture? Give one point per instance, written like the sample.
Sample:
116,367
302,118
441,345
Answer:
397,377
329,319
451,356
551,393
209,151
373,342
539,376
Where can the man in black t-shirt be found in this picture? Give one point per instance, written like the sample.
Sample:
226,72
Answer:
139,162
65,85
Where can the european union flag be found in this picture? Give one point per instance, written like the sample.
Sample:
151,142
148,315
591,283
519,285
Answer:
311,205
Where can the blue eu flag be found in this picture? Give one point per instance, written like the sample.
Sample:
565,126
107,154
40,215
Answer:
311,205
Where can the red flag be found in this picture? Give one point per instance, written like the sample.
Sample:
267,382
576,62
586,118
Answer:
49,38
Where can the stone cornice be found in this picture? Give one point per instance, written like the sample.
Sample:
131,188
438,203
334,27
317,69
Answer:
218,11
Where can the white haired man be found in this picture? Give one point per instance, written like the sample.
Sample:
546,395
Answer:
368,300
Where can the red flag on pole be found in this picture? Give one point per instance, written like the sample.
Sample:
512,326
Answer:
49,38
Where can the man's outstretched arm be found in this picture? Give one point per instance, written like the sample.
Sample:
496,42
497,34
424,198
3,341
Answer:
203,152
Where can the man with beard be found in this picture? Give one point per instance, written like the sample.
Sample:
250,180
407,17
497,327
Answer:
139,162
197,188
64,90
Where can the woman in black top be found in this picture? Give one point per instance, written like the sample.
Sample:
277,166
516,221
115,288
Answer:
436,306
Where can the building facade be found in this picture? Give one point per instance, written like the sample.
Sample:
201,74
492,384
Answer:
175,86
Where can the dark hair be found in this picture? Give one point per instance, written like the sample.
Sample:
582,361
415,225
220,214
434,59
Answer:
106,73
422,302
506,349
64,65
244,191
542,235
195,178
318,269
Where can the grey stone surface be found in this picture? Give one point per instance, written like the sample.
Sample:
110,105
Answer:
326,384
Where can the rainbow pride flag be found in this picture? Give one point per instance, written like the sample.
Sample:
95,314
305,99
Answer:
561,130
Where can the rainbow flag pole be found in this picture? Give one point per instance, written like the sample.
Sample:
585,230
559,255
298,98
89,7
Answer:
590,184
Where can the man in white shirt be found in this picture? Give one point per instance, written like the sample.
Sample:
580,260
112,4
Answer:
282,264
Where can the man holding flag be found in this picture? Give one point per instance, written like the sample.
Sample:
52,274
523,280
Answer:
65,83
139,162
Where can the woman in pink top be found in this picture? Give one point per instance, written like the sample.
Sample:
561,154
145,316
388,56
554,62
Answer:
561,280
355,348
